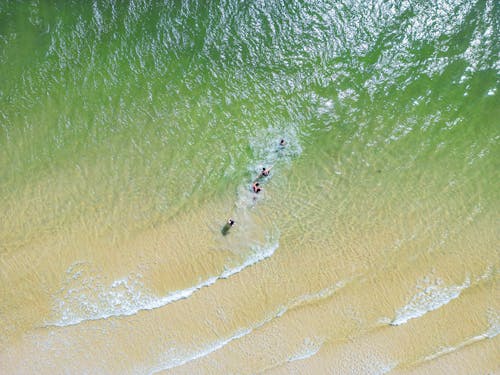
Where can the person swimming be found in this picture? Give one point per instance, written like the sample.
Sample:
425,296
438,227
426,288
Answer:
282,142
229,224
256,187
265,172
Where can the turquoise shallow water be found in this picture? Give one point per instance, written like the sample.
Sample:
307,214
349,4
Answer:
116,118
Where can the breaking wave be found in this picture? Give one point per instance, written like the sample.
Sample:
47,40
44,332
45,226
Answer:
431,295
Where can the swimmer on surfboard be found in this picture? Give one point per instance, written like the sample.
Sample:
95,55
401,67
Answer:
227,226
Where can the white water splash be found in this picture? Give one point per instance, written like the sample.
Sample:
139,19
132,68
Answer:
86,297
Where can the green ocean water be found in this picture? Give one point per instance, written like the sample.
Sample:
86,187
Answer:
116,117
142,93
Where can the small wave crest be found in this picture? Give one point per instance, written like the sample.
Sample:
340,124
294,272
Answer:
491,332
85,296
307,350
494,320
182,359
310,347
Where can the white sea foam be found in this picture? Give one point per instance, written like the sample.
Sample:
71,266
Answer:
85,297
310,347
494,329
431,295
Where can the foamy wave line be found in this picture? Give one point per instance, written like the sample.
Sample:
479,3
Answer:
311,347
493,331
126,297
280,311
213,347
